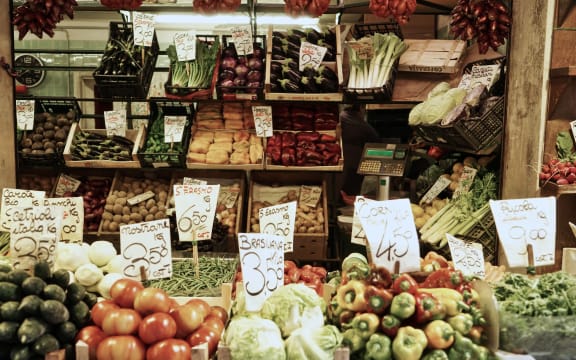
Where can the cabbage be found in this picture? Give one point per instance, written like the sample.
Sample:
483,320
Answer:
439,89
435,108
313,343
254,338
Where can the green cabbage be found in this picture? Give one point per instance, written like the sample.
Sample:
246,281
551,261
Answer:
435,108
254,338
439,89
313,343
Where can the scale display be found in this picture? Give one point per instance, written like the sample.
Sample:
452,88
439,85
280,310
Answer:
383,159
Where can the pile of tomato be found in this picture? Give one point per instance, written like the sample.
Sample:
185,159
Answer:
140,323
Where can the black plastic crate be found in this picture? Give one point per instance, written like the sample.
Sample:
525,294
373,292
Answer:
159,109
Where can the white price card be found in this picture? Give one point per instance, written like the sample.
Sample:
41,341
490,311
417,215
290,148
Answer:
185,43
358,235
279,220
242,38
229,197
364,49
311,55
465,181
523,222
192,181
25,114
391,233
174,128
263,120
115,121
441,183
34,235
146,249
262,262
66,184
310,195
467,256
12,198
573,128
143,28
72,221
195,210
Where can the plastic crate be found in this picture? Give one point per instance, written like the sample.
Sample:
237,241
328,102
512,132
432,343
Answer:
133,85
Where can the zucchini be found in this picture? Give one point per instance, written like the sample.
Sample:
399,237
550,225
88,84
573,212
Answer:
9,291
31,329
33,286
54,311
9,311
54,292
45,344
9,331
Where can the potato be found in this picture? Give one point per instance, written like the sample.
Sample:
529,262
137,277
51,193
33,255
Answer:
159,215
113,226
118,209
136,217
149,217
105,225
107,216
126,210
153,210
125,218
135,209
111,199
162,196
130,195
150,203
138,190
255,228
120,201
122,194
117,218
143,212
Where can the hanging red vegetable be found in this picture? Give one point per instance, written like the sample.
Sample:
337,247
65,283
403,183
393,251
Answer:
215,6
122,4
313,8
401,10
41,16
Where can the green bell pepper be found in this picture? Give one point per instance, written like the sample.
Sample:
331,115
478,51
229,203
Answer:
403,305
409,343
365,323
378,347
436,355
462,323
353,340
465,349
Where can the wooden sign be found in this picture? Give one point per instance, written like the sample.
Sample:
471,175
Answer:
279,220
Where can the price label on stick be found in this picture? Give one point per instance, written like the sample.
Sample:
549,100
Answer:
195,210
310,195
66,184
441,183
391,233
262,261
465,181
146,250
229,197
174,128
242,38
191,181
25,114
185,43
72,224
358,236
13,198
34,235
263,120
467,256
115,122
311,55
523,222
143,28
279,220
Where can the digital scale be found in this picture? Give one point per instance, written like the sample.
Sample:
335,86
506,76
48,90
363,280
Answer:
383,160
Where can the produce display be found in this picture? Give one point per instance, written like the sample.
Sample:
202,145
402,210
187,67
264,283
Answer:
194,74
401,10
240,147
241,73
36,182
562,168
122,4
304,148
215,6
229,116
303,117
88,145
313,8
39,17
49,133
423,212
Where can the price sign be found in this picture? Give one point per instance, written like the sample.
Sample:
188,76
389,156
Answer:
143,28
311,55
465,181
242,38
66,184
13,198
191,181
358,236
140,197
72,224
174,128
310,195
185,43
467,256
523,222
115,122
364,49
279,220
146,249
391,233
441,183
262,261
195,210
34,235
25,114
229,197
263,120
573,128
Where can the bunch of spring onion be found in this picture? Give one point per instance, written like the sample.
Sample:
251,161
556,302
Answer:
373,72
461,214
195,73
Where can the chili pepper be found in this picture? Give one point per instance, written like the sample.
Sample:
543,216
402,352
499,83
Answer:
462,323
390,325
450,298
404,283
365,324
353,340
428,308
464,349
403,305
377,299
350,296
409,343
440,334
379,276
443,278
378,347
436,354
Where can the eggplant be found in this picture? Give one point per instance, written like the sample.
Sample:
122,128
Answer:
289,73
274,77
275,87
278,57
278,41
289,86
278,50
295,39
309,71
293,54
297,32
314,36
276,67
290,47
330,36
308,84
278,34
328,73
325,84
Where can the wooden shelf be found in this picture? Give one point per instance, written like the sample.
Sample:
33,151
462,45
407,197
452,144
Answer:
563,71
552,189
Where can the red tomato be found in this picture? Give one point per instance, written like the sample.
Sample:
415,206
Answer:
121,347
121,322
214,322
124,290
173,304
92,335
201,304
151,300
188,318
205,335
220,312
156,327
170,349
100,309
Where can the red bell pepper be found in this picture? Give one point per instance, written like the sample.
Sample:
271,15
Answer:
377,299
404,283
428,308
443,278
379,277
390,325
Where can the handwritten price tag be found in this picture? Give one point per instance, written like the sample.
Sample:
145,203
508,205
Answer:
279,220
467,256
185,43
192,181
263,120
146,248
262,261
439,186
229,197
115,122
358,235
311,55
66,184
143,28
364,49
13,198
391,233
310,195
521,222
34,235
72,225
242,38
465,181
195,210
174,128
25,114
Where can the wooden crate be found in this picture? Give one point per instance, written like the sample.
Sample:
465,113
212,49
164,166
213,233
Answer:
432,56
137,136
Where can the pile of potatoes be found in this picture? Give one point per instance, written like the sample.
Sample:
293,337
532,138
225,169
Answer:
425,211
118,211
37,182
49,133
